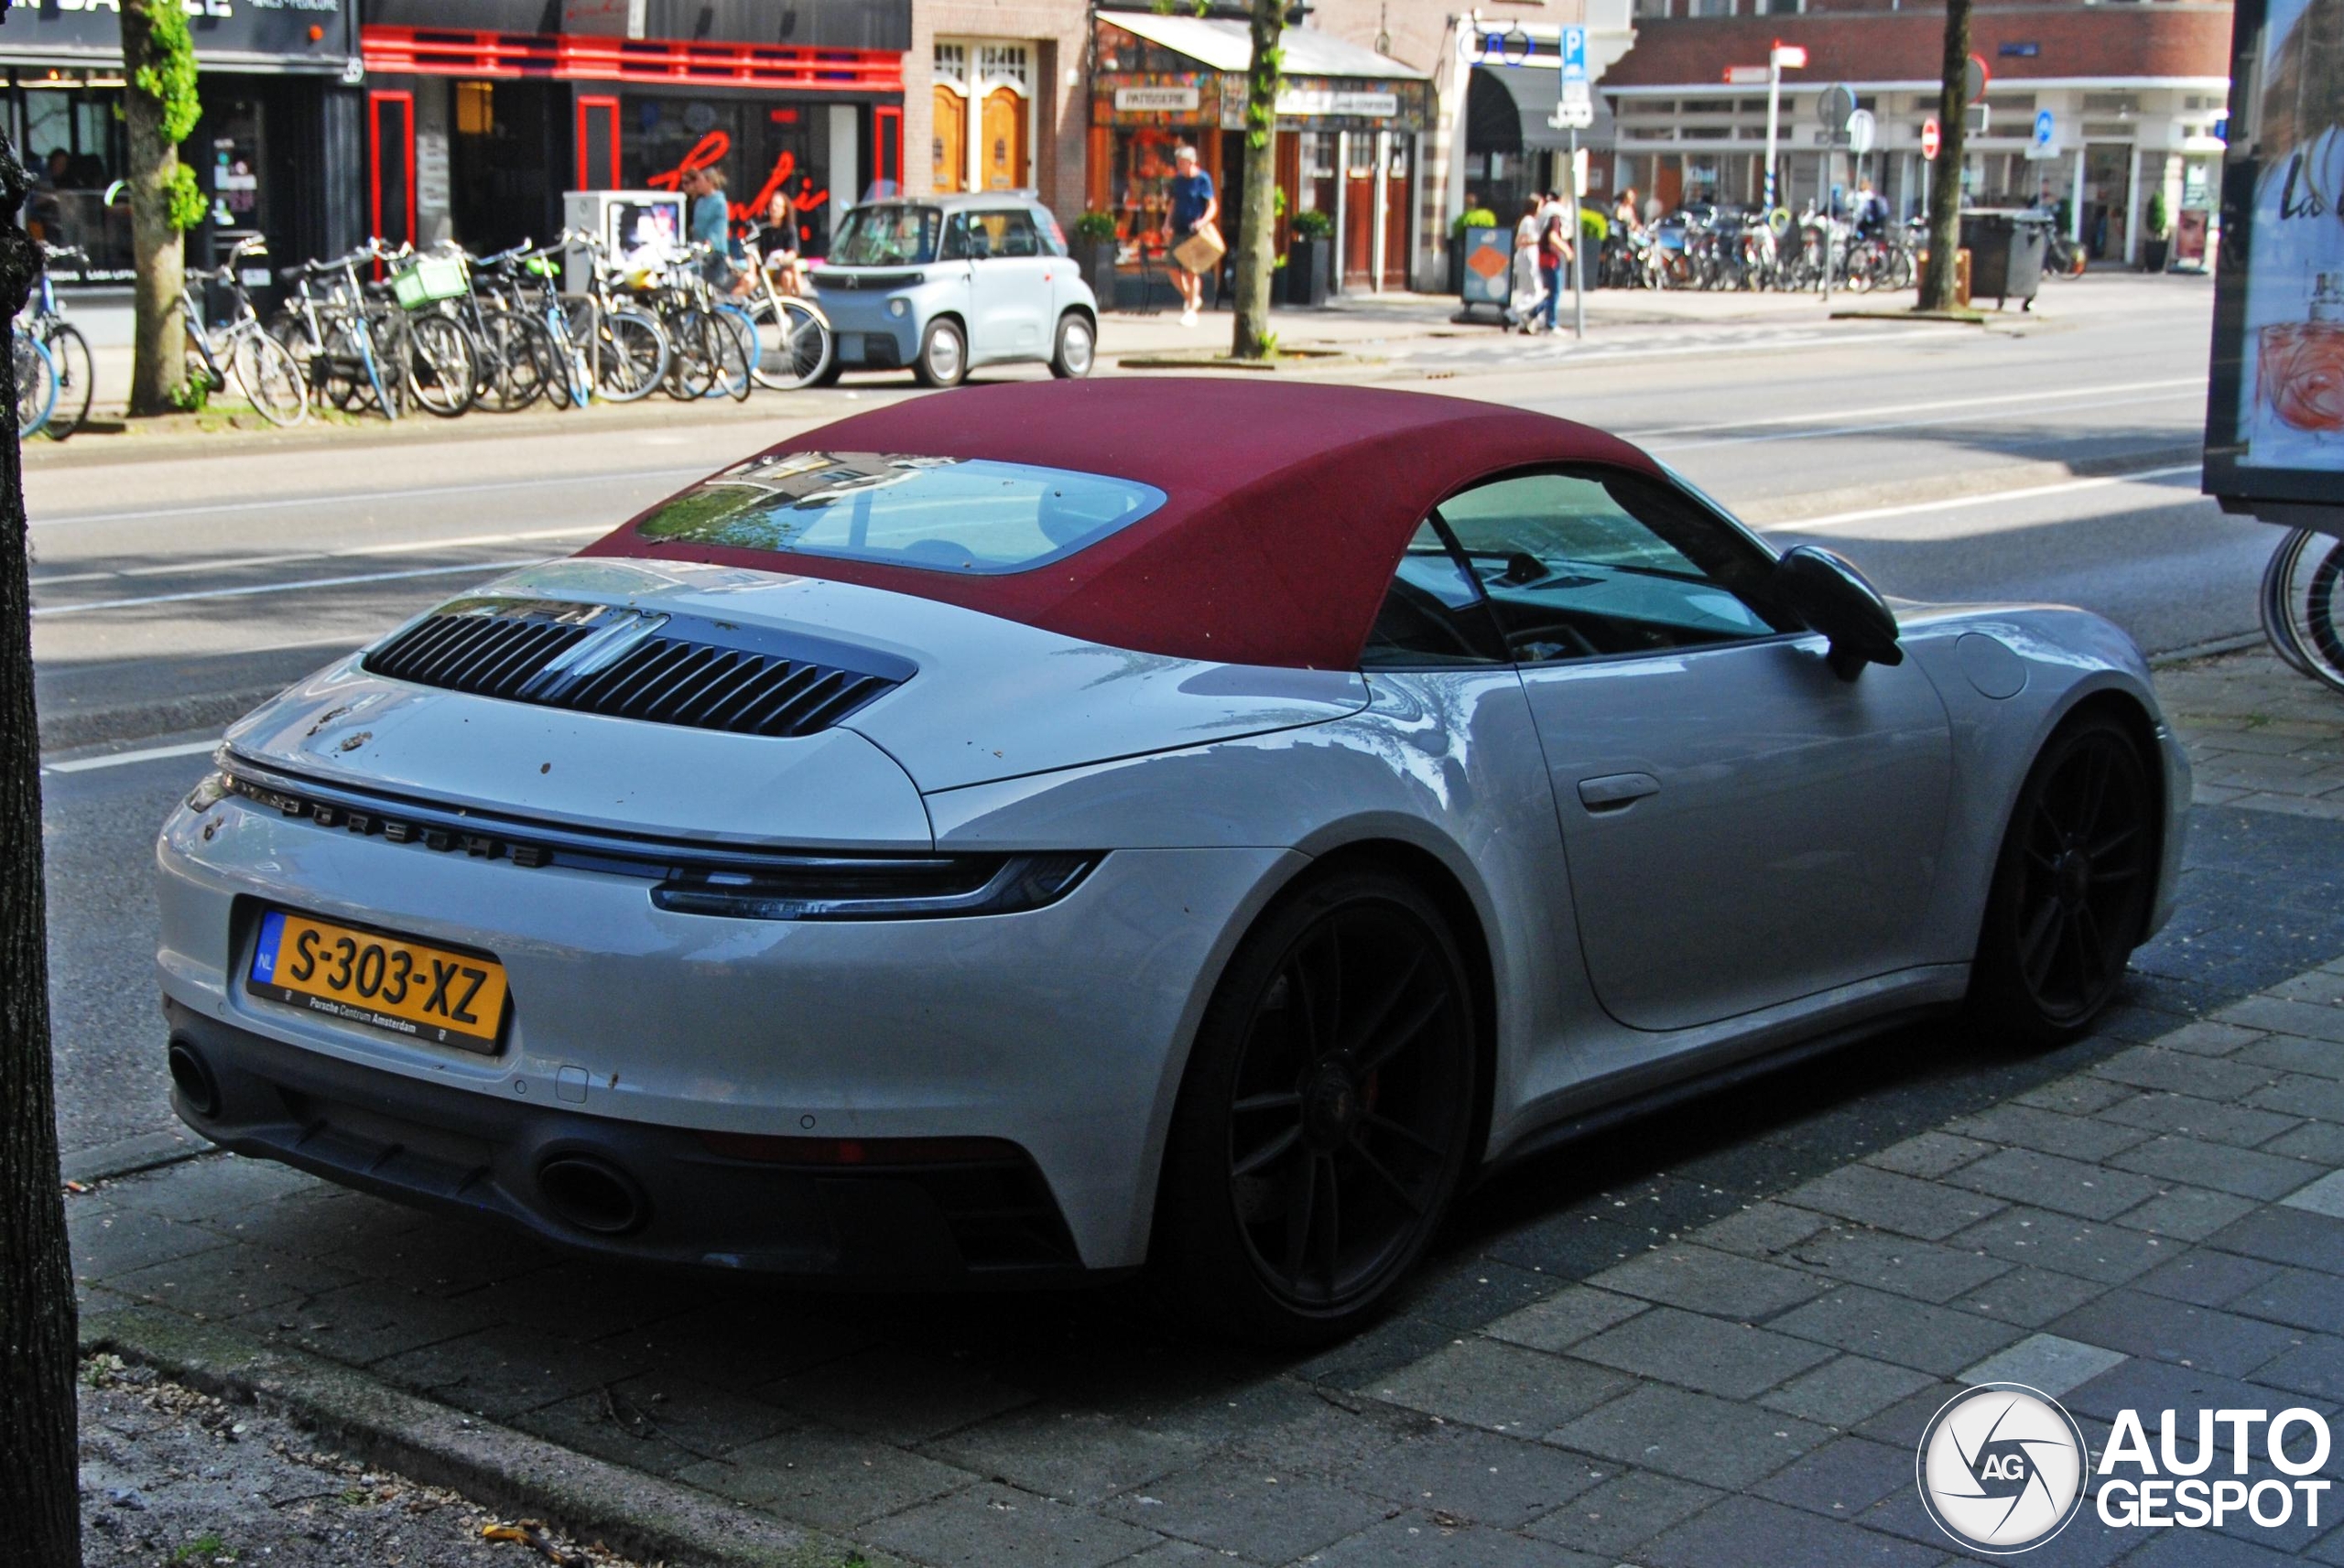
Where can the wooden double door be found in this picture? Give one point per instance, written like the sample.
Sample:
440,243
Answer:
1003,159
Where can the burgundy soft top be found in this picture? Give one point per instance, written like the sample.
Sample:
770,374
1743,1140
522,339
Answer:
1288,505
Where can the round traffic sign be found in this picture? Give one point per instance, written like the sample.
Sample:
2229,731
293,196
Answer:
1864,132
1974,78
1835,105
1930,138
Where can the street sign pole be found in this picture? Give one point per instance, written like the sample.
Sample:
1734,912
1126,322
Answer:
1773,117
1579,249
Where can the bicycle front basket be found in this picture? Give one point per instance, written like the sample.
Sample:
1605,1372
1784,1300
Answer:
427,280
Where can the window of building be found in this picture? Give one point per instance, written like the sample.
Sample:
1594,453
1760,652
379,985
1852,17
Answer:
1652,7
2111,102
951,61
1783,8
1709,7
1708,105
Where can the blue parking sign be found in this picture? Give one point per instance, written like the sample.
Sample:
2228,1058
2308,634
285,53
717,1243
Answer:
1574,48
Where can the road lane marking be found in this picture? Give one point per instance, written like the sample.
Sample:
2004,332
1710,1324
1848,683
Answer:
1985,498
2049,396
353,497
404,548
124,759
1880,426
485,568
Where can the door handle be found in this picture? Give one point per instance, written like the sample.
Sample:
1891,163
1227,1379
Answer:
1616,792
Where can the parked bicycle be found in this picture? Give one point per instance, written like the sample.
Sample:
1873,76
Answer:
795,343
68,351
336,338
264,370
36,375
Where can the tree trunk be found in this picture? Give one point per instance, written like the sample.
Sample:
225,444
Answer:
1257,221
158,355
1945,190
40,1511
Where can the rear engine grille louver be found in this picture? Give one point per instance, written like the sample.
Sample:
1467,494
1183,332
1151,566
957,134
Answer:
641,664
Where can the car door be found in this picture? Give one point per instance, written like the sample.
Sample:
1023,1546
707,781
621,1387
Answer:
1009,289
1742,826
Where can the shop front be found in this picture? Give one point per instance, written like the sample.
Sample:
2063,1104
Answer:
273,77
1350,137
476,126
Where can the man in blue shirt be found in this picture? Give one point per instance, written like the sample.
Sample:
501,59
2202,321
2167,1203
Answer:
1194,206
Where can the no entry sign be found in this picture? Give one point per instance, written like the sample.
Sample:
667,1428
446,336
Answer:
1930,139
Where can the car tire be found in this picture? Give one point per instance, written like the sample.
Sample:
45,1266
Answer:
1076,346
1325,1116
943,354
2073,887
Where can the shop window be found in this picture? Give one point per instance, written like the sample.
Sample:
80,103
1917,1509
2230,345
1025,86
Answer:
1319,154
760,149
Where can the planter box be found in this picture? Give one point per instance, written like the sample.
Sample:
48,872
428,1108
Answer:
2154,254
1096,259
1308,263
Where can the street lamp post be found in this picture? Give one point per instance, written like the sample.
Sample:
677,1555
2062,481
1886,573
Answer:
1779,58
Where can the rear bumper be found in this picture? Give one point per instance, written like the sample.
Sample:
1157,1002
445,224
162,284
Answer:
623,1189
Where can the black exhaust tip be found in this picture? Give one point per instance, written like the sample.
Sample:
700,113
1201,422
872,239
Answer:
593,1194
191,1076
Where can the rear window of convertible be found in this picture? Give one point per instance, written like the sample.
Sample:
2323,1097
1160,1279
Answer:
946,514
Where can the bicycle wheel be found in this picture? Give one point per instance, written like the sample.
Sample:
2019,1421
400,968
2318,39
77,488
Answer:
36,384
736,355
2302,593
438,367
794,343
631,356
517,362
693,351
270,377
77,378
201,370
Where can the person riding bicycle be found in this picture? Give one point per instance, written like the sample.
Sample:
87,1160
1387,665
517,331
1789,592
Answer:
776,241
1867,211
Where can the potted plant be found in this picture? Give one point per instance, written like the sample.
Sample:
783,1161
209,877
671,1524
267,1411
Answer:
1094,252
2159,225
1310,259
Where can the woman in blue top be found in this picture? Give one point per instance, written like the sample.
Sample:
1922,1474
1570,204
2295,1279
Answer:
1193,207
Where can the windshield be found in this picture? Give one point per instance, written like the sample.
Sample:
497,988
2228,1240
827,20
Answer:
889,234
950,515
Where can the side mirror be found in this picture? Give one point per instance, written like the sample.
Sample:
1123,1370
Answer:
1827,592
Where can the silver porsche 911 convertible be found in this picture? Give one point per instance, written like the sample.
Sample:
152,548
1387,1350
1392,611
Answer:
1041,831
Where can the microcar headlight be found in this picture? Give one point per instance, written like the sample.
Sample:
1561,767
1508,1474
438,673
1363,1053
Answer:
898,306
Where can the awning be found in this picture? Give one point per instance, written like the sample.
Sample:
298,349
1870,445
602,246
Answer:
1534,91
1219,44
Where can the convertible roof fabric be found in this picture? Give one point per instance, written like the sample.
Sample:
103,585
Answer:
1288,506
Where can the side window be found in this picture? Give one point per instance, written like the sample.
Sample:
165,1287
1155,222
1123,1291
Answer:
1017,235
1581,565
1433,613
962,241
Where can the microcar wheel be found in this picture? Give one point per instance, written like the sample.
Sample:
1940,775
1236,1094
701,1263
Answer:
943,355
1070,357
2072,887
1323,1122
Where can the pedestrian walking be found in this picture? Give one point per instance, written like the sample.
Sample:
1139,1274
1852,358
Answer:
1190,236
1554,247
1521,306
710,222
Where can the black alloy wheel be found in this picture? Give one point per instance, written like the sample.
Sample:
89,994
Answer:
1323,1125
2072,888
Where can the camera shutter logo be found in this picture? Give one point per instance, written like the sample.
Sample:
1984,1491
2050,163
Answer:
2001,1468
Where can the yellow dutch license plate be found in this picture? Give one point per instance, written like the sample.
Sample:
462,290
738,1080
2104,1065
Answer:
386,983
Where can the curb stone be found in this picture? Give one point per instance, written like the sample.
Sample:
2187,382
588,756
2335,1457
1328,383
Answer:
491,1464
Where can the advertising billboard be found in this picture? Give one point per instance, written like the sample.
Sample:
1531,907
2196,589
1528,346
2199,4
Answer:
2274,424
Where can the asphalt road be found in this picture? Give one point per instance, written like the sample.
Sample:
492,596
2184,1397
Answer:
2055,463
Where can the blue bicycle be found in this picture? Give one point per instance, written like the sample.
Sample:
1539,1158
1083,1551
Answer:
36,371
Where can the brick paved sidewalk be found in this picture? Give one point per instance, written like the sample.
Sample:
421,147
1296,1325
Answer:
1711,1338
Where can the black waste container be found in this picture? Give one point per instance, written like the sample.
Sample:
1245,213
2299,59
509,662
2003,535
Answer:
2005,254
